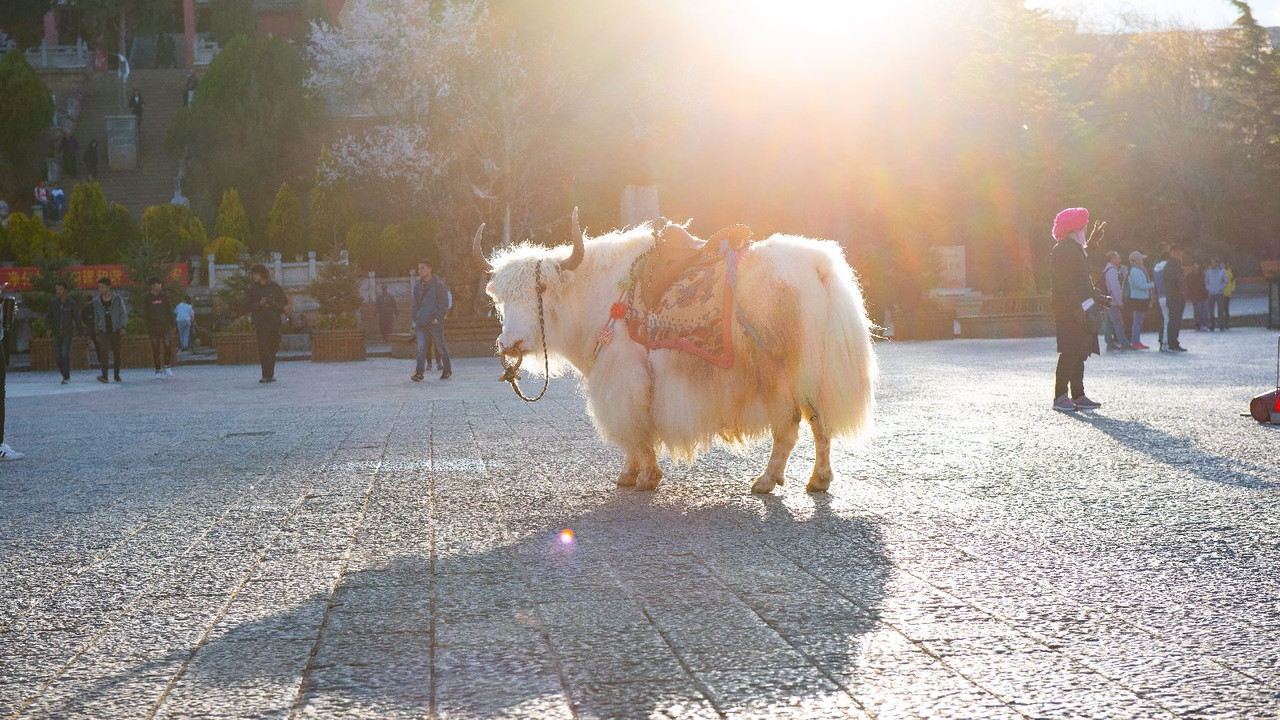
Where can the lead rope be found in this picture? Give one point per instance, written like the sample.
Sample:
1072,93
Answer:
511,370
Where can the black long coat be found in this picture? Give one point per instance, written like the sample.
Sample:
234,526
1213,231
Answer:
1071,287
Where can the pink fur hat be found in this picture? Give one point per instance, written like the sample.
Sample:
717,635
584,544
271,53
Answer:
1068,221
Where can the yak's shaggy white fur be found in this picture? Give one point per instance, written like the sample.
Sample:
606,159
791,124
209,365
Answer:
816,360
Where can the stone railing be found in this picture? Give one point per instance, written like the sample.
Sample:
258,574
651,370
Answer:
286,274
69,57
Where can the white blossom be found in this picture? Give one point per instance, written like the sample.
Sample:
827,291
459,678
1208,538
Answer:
393,60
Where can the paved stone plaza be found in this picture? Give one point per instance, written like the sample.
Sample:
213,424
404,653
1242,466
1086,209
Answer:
346,543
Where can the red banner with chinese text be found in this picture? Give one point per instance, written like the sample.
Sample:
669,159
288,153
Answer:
85,277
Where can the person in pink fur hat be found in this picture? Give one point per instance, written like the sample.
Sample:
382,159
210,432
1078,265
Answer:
1073,296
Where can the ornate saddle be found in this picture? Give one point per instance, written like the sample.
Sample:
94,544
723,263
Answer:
683,293
677,251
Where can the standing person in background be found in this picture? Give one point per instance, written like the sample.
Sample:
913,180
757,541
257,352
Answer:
41,200
1139,299
189,91
91,160
1073,296
430,303
185,315
1175,285
1227,292
8,307
61,320
109,320
385,306
159,317
1215,284
1197,296
58,201
1162,301
1117,339
264,302
70,150
135,106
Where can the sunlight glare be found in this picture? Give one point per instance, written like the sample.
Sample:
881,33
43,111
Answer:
800,33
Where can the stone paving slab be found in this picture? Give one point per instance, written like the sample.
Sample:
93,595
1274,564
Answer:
348,544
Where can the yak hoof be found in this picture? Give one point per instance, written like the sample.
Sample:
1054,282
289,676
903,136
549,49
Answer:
649,478
628,478
765,484
819,481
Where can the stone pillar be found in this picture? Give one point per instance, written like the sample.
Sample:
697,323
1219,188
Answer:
311,264
51,28
122,142
639,203
277,262
189,31
213,264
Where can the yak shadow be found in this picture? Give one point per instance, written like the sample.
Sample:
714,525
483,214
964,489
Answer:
652,608
1181,452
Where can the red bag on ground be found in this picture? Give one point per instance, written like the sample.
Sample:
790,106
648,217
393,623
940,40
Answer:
1263,405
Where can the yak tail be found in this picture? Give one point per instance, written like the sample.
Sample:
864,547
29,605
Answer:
835,373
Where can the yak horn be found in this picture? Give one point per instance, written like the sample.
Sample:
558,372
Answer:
475,248
575,258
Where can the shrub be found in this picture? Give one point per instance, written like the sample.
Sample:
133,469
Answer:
84,230
177,230
29,240
225,250
336,290
232,221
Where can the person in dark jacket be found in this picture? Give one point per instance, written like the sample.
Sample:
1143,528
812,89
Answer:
91,160
430,303
1175,289
8,307
61,321
1073,296
264,302
158,312
110,316
386,307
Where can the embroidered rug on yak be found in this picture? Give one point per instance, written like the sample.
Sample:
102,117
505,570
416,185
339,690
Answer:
683,299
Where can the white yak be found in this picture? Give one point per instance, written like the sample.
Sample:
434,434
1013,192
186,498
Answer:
811,356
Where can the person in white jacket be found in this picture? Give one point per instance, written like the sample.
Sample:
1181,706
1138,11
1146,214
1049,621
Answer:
1111,277
1215,284
1140,289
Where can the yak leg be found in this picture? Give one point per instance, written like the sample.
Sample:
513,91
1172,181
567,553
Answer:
630,471
785,435
648,473
822,474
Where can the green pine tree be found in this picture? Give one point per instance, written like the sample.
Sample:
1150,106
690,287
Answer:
86,231
286,233
232,221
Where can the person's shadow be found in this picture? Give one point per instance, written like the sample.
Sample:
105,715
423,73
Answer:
1182,452
650,608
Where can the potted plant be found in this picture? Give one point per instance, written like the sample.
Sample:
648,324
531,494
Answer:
236,343
336,335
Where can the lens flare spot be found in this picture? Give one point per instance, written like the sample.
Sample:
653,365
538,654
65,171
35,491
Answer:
566,537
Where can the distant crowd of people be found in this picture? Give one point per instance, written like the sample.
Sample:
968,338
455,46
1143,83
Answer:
1116,300
104,318
1172,283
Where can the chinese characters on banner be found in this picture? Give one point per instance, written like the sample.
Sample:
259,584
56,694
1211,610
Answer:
85,277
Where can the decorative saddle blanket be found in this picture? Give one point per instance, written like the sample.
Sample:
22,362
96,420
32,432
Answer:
683,298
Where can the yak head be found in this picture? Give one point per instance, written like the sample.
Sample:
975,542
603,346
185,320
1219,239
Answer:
522,278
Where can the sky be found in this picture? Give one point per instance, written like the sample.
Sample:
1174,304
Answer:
1194,13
